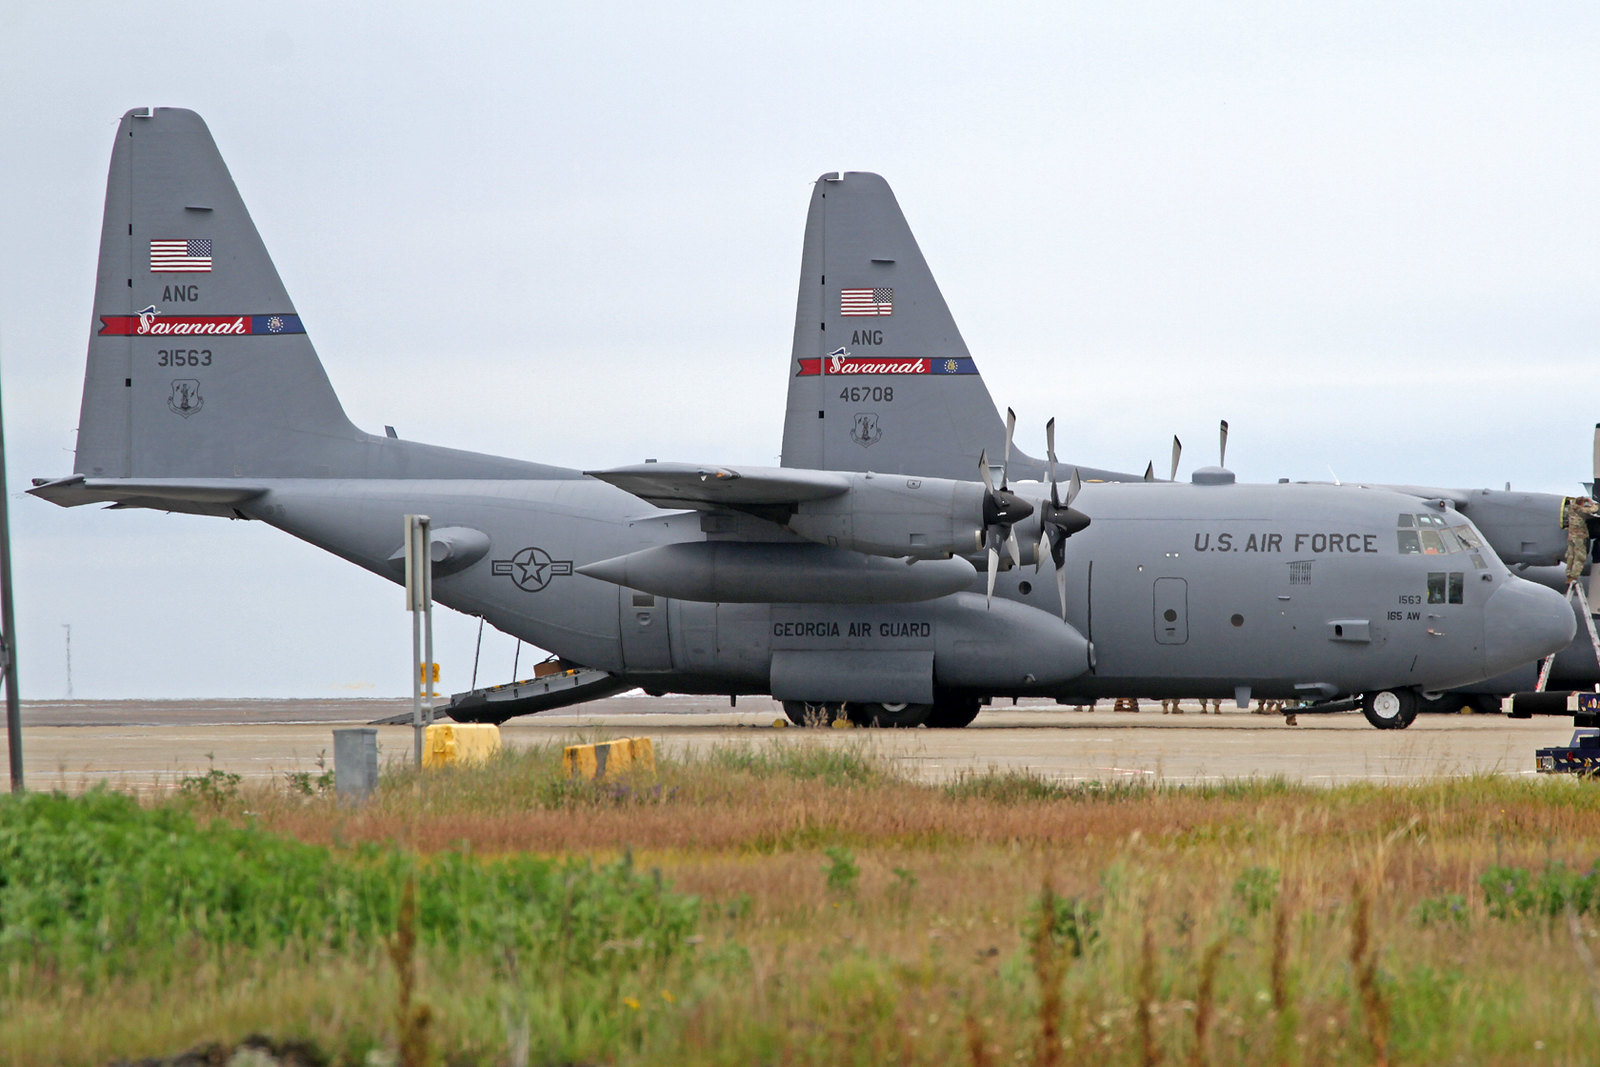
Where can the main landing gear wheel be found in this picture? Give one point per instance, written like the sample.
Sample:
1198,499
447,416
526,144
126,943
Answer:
1390,709
804,713
894,716
953,712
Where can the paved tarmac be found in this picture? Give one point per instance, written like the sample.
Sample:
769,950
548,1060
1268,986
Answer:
152,745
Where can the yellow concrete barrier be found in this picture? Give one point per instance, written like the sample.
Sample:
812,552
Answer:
449,743
609,757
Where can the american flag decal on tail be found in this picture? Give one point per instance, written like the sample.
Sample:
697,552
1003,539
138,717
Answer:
877,301
180,256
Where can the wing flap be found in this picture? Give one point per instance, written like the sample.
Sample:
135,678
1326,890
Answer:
703,488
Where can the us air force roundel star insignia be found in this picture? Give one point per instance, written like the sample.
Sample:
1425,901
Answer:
531,568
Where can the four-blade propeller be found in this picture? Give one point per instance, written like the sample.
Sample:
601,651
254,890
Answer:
1059,520
1002,509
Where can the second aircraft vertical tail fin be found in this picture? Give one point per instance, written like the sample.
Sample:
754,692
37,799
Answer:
880,378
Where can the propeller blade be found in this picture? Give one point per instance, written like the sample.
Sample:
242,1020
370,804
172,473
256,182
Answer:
983,470
1150,471
1073,487
1061,587
1177,450
1222,452
1050,446
1044,547
994,565
1012,546
1005,462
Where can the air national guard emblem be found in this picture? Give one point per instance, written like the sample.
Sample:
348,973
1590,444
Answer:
185,398
865,431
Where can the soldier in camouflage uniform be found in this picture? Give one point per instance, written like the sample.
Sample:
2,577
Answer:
1578,510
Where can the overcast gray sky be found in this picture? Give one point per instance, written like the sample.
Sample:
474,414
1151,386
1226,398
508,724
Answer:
1364,233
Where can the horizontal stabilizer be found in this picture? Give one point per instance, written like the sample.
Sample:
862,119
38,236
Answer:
191,495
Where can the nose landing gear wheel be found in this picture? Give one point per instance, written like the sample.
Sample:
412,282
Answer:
1390,709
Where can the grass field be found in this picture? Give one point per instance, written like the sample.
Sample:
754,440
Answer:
790,904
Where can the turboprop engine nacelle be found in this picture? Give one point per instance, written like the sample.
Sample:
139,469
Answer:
878,514
893,515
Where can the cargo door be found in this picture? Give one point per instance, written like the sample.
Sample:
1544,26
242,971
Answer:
1172,611
646,643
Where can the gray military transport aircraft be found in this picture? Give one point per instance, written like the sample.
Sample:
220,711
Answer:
204,395
929,424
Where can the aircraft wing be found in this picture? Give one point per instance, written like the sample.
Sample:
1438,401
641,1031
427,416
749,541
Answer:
706,488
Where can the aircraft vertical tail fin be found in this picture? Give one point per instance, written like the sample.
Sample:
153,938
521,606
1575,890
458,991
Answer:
198,364
880,378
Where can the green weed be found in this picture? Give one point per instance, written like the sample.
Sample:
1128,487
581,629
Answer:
841,870
1512,892
1066,922
1256,890
214,789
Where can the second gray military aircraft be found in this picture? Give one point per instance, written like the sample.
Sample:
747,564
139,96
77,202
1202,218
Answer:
855,229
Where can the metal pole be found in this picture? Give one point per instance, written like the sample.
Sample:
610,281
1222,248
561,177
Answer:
419,594
416,685
427,615
476,653
8,633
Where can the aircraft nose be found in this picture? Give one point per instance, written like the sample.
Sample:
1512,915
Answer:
1522,622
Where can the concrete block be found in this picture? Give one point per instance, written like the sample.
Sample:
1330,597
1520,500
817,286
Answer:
355,762
447,743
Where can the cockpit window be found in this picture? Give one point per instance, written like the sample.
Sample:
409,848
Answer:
1446,588
1433,535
